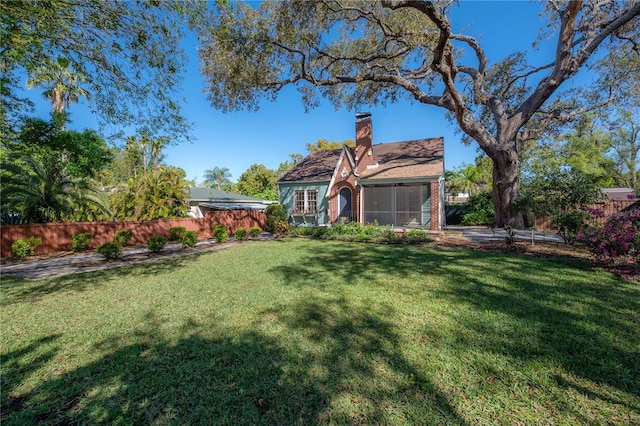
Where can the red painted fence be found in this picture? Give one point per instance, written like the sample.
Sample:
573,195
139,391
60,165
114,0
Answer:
57,236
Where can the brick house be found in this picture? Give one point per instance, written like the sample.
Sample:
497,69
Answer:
399,184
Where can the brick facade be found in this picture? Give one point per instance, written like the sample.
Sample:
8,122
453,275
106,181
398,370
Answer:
364,143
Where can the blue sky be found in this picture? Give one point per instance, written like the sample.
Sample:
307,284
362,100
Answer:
268,136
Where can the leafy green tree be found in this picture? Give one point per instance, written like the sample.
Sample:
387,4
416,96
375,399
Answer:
140,154
40,192
562,196
86,154
359,52
470,178
161,193
129,52
625,143
218,177
581,149
285,166
258,181
325,145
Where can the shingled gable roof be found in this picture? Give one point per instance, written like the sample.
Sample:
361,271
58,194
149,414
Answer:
410,159
397,160
317,166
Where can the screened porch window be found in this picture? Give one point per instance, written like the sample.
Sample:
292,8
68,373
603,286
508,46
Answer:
400,205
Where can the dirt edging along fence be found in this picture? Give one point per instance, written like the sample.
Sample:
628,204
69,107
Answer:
56,237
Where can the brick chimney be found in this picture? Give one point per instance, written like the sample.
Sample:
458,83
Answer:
364,142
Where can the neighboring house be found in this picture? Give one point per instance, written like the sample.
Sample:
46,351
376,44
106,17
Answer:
399,184
203,199
618,193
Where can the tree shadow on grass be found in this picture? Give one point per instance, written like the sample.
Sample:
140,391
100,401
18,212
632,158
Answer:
209,375
545,311
356,358
18,291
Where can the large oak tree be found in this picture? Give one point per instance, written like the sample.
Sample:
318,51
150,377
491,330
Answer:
362,52
127,55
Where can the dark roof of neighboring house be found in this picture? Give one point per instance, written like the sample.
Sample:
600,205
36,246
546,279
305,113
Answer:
217,195
234,206
422,157
317,166
398,160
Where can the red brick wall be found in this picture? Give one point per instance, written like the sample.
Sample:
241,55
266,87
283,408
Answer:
57,236
364,144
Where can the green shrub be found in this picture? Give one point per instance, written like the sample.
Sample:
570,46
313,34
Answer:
394,238
220,233
479,210
241,234
275,213
415,236
371,229
353,228
123,237
110,250
281,227
25,247
569,224
80,241
302,230
189,239
176,232
386,233
477,218
338,228
254,232
320,231
156,243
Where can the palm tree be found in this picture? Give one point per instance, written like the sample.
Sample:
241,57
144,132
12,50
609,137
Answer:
62,85
42,193
216,177
162,193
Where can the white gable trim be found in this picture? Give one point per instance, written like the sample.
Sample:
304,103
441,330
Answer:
336,169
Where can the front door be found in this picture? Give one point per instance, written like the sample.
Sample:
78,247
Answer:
344,205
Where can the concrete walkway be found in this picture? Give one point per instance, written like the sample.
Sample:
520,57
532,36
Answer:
37,269
53,267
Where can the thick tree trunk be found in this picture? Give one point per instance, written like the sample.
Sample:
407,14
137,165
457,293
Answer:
505,189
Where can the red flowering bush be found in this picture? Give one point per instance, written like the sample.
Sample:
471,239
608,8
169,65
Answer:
618,241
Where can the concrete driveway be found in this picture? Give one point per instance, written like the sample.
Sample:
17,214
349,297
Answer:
480,234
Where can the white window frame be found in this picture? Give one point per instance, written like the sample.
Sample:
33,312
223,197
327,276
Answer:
310,197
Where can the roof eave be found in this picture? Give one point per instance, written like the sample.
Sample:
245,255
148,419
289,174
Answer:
391,180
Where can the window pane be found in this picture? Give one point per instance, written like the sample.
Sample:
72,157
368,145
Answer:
298,201
312,201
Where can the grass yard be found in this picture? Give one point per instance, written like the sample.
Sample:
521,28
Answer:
304,332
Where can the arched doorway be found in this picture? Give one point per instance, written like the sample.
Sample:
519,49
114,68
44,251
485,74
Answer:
344,205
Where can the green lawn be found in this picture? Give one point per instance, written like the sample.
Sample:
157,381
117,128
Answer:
303,332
